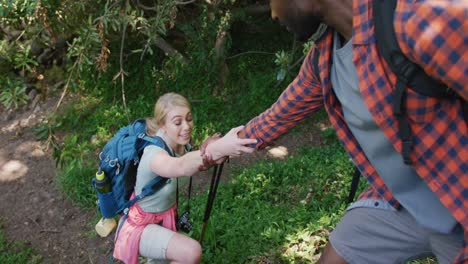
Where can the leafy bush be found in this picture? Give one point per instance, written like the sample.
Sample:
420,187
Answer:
13,93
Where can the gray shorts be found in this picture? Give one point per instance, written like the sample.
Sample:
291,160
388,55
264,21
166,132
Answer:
370,235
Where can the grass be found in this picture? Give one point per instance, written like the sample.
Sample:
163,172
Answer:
277,212
429,260
14,252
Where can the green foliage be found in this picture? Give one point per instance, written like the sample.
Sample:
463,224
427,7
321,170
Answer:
15,12
283,60
14,57
428,260
16,251
83,49
75,183
13,93
71,152
22,59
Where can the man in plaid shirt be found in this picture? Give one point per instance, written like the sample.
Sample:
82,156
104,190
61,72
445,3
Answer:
408,212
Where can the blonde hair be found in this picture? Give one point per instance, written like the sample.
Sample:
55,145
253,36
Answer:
161,108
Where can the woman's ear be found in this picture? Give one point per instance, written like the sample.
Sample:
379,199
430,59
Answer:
162,128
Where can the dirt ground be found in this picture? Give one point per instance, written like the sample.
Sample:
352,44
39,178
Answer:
33,210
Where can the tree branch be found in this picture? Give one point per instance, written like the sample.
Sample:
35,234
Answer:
168,49
185,2
122,73
145,7
249,52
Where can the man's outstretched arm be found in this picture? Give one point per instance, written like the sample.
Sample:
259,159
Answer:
301,98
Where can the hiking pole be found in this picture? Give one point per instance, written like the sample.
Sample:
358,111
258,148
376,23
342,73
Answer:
217,170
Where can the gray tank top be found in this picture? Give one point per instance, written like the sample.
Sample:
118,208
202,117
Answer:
407,187
163,199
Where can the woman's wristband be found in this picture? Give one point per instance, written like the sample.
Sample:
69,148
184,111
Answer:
207,159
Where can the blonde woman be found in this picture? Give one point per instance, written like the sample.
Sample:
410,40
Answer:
149,230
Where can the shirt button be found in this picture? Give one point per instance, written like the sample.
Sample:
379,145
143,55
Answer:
376,204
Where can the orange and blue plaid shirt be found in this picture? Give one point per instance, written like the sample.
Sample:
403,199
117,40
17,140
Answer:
432,33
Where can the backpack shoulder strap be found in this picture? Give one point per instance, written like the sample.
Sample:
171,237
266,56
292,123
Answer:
408,73
158,141
137,126
411,74
318,36
150,188
354,184
315,62
158,182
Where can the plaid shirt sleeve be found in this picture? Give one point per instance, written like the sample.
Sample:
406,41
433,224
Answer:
434,34
301,98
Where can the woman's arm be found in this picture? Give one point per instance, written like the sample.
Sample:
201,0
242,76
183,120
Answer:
167,166
230,145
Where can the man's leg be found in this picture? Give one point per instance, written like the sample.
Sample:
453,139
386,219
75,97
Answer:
369,235
329,256
447,246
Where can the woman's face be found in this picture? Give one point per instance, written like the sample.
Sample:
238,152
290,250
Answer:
178,126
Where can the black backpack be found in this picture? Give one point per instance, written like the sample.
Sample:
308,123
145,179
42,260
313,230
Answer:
408,74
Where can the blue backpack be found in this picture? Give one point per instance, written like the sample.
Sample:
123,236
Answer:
119,161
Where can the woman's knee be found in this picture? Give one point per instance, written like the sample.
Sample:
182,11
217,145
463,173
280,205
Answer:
183,249
194,251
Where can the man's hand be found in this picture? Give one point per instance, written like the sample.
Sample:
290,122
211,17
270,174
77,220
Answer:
216,150
231,145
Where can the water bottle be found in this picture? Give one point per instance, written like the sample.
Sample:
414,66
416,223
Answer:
103,184
105,226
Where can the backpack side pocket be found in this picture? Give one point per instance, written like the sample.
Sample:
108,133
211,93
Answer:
106,203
